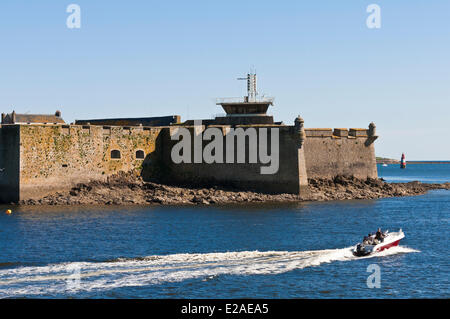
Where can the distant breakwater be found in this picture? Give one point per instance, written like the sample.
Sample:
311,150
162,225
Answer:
427,162
390,161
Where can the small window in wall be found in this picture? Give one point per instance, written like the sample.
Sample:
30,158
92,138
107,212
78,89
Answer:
115,154
140,154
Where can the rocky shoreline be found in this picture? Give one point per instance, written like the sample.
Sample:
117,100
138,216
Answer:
127,189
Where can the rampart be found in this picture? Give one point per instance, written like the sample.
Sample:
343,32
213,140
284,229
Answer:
36,160
55,158
9,163
290,176
340,151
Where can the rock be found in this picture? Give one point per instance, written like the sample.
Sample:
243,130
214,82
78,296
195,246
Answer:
129,189
196,199
157,200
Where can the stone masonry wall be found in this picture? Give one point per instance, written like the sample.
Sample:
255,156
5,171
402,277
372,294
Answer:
290,178
340,152
9,163
54,158
36,160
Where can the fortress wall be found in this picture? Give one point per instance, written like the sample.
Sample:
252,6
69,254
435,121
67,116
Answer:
43,159
345,152
290,178
9,163
55,158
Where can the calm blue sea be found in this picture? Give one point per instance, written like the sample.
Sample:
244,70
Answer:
267,251
426,173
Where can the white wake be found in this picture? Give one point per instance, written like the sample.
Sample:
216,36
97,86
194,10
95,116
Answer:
88,276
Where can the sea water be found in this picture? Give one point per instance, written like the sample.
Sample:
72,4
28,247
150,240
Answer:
288,250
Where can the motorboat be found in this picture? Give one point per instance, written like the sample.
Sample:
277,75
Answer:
372,245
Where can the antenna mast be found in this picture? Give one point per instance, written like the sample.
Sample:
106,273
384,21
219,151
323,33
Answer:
252,91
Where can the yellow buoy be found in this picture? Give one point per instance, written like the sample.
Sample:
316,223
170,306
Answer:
8,212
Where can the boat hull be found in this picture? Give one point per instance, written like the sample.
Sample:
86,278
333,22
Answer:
393,244
391,240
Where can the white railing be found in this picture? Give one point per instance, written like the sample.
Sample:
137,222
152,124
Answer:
263,99
230,100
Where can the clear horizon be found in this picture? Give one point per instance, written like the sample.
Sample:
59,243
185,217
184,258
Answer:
318,59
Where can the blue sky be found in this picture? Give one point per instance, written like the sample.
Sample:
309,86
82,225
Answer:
318,58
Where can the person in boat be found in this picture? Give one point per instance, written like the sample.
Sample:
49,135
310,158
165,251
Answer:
367,240
379,235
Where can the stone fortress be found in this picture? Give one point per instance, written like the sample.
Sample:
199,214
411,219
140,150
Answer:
41,154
